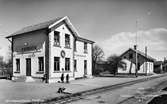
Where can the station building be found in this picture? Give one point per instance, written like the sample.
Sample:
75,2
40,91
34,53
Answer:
52,48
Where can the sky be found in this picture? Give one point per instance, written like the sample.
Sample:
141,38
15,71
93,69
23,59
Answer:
112,24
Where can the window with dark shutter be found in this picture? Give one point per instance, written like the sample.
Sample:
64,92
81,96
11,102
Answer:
56,64
67,40
56,38
67,64
75,65
41,63
17,65
85,48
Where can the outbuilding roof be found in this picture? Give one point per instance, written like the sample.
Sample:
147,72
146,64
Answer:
141,53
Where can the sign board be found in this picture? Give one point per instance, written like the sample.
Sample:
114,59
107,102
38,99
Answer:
30,48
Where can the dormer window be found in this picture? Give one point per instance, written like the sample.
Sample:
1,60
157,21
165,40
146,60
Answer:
85,48
67,40
56,38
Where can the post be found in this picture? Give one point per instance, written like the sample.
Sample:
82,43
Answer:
136,69
146,59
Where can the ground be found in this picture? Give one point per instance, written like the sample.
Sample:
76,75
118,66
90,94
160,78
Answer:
134,94
24,92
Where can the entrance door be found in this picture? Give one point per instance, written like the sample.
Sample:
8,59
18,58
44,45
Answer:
28,66
85,67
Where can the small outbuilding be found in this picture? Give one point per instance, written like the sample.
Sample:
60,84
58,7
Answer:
145,63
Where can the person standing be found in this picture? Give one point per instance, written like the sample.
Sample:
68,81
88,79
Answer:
62,76
67,78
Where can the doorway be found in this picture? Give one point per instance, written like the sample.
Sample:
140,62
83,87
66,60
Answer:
28,66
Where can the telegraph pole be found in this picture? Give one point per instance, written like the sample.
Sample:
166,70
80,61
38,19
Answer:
136,68
146,59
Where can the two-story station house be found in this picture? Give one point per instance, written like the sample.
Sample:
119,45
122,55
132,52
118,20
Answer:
51,48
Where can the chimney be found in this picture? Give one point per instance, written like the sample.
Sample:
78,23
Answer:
135,46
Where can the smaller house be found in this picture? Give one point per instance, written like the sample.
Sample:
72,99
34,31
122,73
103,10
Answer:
100,66
144,64
158,67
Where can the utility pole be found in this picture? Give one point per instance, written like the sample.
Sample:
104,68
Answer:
136,68
146,60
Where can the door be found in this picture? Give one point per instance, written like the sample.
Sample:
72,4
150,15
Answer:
85,67
28,66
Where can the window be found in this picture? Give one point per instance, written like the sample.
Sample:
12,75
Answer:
124,67
85,47
130,56
138,66
67,41
17,65
67,64
56,64
75,46
41,63
56,38
85,67
75,65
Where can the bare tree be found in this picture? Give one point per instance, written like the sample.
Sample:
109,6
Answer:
114,62
97,55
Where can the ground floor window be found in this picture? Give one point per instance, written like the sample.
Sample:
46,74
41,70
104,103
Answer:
85,67
41,63
56,63
67,64
75,65
17,65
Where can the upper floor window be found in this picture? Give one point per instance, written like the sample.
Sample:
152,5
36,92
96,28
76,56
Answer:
56,64
67,40
85,48
67,64
75,65
41,63
56,38
17,65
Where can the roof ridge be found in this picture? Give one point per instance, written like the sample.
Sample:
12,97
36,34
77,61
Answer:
142,53
51,20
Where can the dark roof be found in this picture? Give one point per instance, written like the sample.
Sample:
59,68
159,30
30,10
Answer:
43,26
158,62
35,27
84,40
141,53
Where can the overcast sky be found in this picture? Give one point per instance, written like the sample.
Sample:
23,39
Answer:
110,23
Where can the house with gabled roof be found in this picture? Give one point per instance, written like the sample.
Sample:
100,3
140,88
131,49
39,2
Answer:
51,49
145,63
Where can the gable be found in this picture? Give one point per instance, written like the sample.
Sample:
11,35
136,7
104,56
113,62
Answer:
130,54
63,27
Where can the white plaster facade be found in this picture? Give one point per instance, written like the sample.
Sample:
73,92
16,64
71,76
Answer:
145,63
145,68
40,43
